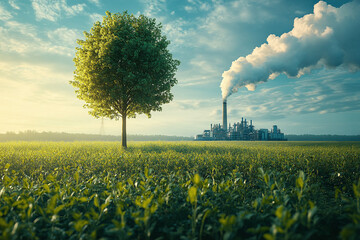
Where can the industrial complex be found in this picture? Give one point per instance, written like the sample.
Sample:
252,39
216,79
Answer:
240,131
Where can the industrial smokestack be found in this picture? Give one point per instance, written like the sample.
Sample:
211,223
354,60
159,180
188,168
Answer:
224,115
325,38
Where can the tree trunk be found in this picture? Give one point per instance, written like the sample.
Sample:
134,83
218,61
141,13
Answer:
123,133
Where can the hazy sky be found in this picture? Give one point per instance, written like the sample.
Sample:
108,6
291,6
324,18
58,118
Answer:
37,46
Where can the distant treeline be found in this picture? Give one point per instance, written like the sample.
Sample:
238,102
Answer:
310,137
69,137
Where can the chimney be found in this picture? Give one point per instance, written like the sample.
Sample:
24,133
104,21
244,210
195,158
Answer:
224,116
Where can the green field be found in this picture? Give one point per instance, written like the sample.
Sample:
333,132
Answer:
191,190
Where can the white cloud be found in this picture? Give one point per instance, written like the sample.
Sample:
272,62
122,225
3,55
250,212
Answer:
216,113
176,31
328,91
96,2
202,65
32,74
52,9
23,39
205,6
95,17
72,10
220,26
4,14
326,38
14,4
188,8
179,31
198,5
21,28
153,8
16,37
49,10
64,36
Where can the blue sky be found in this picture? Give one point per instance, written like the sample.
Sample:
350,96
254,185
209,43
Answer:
38,40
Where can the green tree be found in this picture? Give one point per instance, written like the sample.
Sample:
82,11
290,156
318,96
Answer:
123,68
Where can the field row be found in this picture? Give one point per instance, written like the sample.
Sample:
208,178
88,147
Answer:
217,190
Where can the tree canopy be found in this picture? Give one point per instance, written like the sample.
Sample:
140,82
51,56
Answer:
124,68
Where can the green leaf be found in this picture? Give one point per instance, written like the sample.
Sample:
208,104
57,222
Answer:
76,177
311,214
96,201
3,223
50,178
356,189
279,211
51,203
46,187
299,182
82,199
29,210
196,179
80,224
192,193
268,236
119,210
138,201
153,208
266,178
146,172
58,209
227,222
130,181
103,206
25,183
147,202
7,166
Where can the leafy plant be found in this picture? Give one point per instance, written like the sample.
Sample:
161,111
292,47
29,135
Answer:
194,190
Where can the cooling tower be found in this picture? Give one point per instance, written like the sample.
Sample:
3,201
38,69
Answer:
224,116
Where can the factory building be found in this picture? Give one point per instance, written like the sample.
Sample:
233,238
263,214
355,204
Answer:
240,131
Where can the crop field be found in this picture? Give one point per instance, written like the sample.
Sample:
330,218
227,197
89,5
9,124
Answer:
180,190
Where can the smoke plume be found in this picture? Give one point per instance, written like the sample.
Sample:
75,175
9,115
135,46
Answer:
329,37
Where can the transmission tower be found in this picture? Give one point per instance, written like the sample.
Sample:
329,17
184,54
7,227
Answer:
102,129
